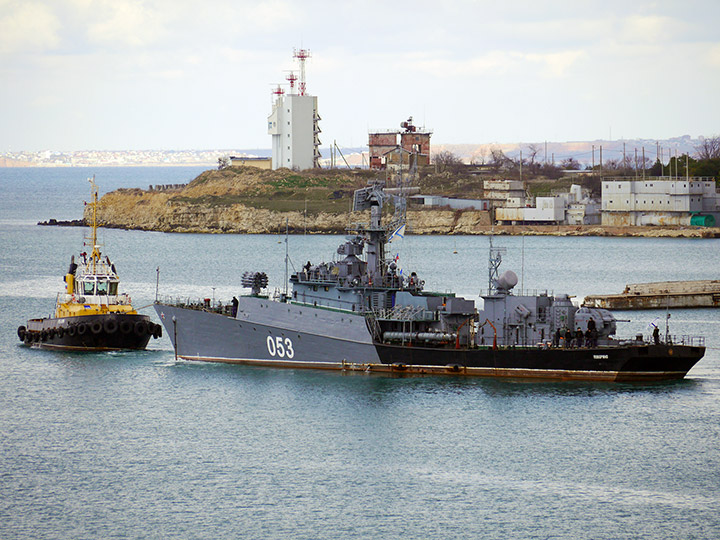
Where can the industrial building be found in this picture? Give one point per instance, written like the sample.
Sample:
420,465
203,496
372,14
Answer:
438,201
413,148
505,193
572,208
660,201
294,123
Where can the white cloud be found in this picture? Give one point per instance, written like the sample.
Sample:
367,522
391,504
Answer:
27,26
123,23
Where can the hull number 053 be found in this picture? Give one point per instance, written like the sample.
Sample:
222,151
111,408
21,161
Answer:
282,347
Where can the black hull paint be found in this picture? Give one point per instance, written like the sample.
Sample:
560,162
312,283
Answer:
106,332
621,363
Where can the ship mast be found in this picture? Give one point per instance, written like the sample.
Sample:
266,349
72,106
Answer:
95,255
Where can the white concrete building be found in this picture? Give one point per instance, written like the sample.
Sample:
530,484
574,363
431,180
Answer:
505,192
293,125
573,208
658,200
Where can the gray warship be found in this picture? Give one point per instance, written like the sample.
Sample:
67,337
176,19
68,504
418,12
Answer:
359,313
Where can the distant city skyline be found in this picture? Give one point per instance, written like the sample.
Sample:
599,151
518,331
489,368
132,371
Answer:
168,75
585,152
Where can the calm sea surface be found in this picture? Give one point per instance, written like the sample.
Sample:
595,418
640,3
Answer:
136,445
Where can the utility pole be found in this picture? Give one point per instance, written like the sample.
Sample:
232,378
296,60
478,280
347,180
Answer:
643,161
636,174
521,165
624,159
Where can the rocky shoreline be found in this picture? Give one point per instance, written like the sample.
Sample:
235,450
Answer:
253,201
425,222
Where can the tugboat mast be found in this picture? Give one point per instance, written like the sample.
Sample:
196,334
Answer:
95,254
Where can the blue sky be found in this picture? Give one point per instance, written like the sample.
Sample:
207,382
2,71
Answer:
180,74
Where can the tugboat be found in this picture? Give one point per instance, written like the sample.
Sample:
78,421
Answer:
361,313
91,315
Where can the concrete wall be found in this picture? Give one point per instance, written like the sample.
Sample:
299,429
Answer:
260,163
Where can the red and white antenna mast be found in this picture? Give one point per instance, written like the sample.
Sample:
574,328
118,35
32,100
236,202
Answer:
301,55
277,93
291,79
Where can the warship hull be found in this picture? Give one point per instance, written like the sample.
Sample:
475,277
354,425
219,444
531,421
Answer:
271,333
277,334
103,332
622,363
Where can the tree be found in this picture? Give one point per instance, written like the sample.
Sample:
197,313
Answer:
447,161
533,151
709,148
570,164
498,159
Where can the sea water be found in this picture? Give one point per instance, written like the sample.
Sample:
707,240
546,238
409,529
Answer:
138,445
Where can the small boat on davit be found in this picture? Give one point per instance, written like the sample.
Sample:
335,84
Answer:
91,315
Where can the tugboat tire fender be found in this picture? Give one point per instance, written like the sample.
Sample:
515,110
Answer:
126,327
140,328
81,328
21,331
157,331
71,331
110,326
96,327
60,331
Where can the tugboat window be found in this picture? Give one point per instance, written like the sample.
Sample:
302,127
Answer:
102,287
88,288
113,287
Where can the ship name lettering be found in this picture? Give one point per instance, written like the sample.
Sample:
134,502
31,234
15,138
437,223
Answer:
600,356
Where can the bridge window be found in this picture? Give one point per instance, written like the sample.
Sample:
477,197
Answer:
88,287
102,287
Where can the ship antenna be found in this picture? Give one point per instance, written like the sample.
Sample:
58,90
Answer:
494,260
287,256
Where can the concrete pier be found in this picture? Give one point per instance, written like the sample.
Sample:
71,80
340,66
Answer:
661,295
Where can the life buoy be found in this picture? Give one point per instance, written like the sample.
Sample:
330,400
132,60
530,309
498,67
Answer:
110,326
96,327
21,331
81,329
126,327
140,328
